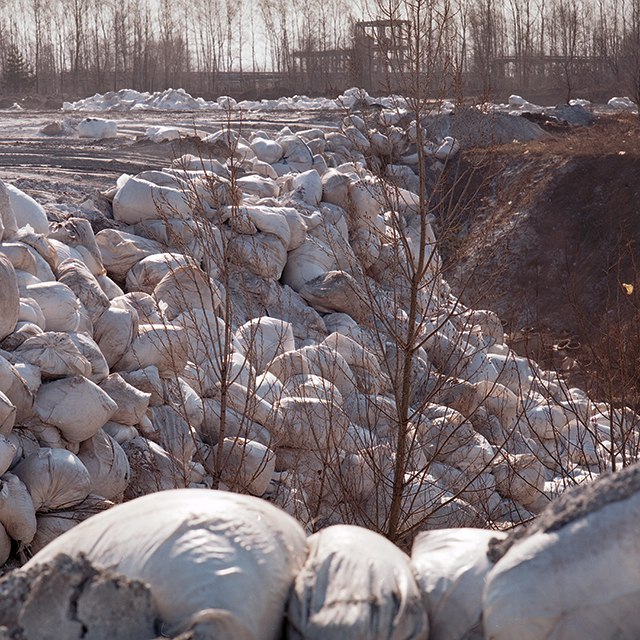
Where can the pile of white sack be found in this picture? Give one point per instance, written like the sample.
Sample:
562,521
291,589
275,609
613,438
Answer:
240,327
188,562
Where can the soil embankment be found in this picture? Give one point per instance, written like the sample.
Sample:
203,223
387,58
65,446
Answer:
546,233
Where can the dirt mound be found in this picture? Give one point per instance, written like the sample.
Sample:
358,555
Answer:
547,235
72,599
472,128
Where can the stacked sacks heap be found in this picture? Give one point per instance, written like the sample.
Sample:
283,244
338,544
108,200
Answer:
192,559
241,326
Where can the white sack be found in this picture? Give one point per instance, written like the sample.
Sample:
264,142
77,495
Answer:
98,128
91,351
55,354
17,513
77,276
450,567
27,211
310,424
9,298
147,274
186,288
264,338
107,465
8,224
197,550
355,585
576,575
75,405
138,200
162,345
55,478
121,251
246,465
132,403
114,332
59,305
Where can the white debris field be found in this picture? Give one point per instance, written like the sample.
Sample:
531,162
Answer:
259,357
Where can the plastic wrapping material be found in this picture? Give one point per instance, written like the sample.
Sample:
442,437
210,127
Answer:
132,403
262,339
59,305
450,567
246,465
55,354
17,513
121,251
55,478
162,345
355,584
75,405
9,298
138,200
197,550
114,332
83,283
107,465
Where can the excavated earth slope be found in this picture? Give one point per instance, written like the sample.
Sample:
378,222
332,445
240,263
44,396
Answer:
546,234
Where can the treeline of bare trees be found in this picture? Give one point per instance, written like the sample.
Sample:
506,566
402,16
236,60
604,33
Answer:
76,47
81,46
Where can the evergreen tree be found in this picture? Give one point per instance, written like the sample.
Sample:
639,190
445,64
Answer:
17,76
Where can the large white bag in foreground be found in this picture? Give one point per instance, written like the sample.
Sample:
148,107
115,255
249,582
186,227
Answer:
577,574
197,550
355,585
450,566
